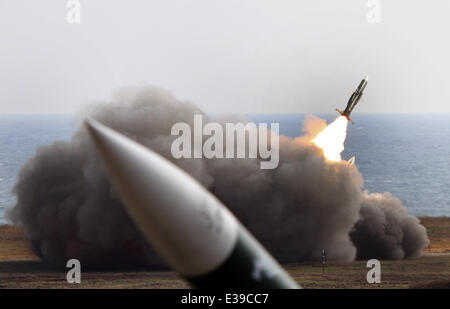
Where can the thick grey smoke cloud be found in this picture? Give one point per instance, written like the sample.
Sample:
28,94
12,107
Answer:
385,229
70,210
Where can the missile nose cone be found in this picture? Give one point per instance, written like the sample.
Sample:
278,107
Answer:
366,78
187,225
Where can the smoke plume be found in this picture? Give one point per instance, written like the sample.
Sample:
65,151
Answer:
69,209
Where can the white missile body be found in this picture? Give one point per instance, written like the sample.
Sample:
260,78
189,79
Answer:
186,224
170,209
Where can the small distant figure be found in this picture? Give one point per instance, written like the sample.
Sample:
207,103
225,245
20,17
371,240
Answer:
324,260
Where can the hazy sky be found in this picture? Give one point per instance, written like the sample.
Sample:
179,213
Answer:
227,55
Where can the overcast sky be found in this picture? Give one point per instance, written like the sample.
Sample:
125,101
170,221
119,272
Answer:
227,55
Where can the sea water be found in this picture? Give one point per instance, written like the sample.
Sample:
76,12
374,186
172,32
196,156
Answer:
407,155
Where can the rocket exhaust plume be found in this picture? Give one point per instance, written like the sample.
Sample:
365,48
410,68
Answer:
332,139
310,202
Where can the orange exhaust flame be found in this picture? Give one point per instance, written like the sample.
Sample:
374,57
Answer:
331,139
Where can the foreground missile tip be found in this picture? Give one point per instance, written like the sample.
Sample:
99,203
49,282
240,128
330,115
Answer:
366,78
186,224
169,207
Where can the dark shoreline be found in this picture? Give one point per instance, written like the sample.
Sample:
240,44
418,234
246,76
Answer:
19,268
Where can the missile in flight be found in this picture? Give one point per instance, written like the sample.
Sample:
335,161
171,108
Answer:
188,226
354,99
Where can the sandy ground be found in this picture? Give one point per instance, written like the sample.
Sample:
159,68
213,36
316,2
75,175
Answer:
19,268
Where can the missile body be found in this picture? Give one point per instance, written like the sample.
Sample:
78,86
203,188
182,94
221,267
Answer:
187,225
354,99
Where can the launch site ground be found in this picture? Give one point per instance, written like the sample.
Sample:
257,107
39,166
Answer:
19,268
